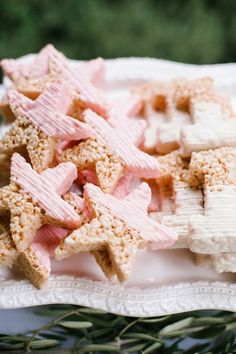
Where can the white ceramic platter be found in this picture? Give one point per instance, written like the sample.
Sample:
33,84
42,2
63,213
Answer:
163,282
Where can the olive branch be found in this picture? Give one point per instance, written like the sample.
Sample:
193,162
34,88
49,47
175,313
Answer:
96,331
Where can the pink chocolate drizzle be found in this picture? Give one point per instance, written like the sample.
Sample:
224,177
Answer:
128,106
95,70
78,78
45,113
137,202
45,188
137,161
48,238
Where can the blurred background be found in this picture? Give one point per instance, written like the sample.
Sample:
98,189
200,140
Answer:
194,31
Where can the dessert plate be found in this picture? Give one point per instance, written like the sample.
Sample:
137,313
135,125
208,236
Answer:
163,282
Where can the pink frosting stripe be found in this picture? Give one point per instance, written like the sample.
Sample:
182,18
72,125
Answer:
57,97
119,117
61,146
126,185
44,113
61,177
140,163
133,128
126,106
42,255
79,79
44,189
155,202
133,209
79,201
48,238
39,66
95,70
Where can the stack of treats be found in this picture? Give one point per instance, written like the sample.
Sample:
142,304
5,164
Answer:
81,172
195,140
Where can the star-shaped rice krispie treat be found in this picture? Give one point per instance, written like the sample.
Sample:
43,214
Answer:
102,256
188,201
35,261
215,172
115,229
40,124
33,78
16,70
32,200
111,153
86,95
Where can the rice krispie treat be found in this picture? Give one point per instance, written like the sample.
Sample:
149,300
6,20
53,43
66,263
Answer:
35,260
154,96
116,230
215,172
110,153
178,95
102,256
8,252
49,65
93,145
212,129
17,71
33,200
203,90
221,262
188,201
40,124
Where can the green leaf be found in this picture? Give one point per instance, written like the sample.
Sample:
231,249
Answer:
53,335
152,348
154,320
4,335
135,348
143,336
44,343
231,325
99,347
99,333
92,311
208,332
75,324
14,338
186,322
183,332
11,346
103,323
128,341
206,321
